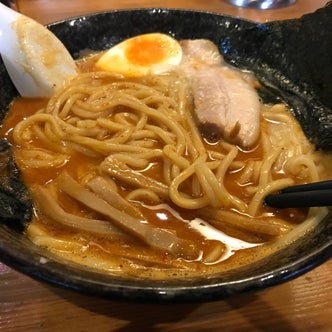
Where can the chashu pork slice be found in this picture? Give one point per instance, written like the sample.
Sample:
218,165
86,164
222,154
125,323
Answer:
226,105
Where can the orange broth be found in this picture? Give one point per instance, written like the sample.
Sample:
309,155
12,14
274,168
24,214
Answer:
101,247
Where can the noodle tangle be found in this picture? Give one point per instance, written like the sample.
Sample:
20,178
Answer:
137,125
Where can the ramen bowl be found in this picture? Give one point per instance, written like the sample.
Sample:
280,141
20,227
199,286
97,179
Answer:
277,71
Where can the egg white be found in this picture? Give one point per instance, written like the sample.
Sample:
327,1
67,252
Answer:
161,51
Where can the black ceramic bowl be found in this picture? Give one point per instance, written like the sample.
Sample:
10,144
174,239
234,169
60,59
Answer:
280,65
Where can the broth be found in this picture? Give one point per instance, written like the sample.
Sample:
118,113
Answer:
219,244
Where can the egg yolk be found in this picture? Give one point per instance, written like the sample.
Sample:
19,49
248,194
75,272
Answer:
146,52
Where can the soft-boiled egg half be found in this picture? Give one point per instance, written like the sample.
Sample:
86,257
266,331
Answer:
137,56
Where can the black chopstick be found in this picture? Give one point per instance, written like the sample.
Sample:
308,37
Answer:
305,195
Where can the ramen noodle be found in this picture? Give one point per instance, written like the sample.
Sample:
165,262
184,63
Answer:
122,180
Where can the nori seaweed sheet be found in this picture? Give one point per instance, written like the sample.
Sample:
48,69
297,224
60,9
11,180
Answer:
15,203
294,59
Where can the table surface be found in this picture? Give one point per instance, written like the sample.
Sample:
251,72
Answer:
303,304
